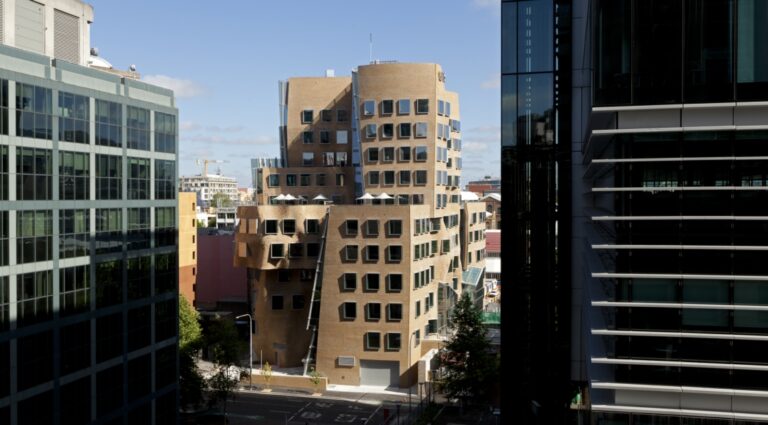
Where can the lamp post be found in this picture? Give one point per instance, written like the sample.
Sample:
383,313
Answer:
410,409
250,348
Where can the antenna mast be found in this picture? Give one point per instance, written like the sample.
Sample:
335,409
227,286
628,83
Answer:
370,47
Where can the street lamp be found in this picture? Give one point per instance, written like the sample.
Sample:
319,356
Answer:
250,347
410,409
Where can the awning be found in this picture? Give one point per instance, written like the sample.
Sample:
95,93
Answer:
471,276
493,265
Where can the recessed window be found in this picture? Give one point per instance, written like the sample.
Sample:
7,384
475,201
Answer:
306,275
370,131
389,177
387,107
298,302
440,107
276,250
320,179
307,116
420,177
325,136
394,283
373,178
349,311
339,181
422,106
417,337
341,159
277,302
372,228
308,137
283,275
387,131
270,227
372,341
394,253
296,250
372,282
290,179
421,130
405,177
404,130
350,227
447,109
313,249
273,180
305,179
393,341
417,310
341,115
420,153
394,227
312,226
289,226
403,106
387,154
369,108
307,159
404,154
341,137
373,312
373,154
350,253
349,282
326,115
394,312
372,253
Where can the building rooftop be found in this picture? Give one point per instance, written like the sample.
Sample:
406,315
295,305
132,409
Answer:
492,241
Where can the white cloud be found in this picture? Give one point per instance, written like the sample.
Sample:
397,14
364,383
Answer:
494,82
487,3
180,87
189,126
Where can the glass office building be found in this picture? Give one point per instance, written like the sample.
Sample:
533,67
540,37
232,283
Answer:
667,136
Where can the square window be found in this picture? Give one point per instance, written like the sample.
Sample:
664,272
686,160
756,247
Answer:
372,253
387,154
341,137
289,226
403,106
283,275
405,177
320,180
273,180
394,227
341,159
296,250
308,137
305,179
387,107
420,153
350,253
372,282
277,302
270,227
404,130
370,131
313,249
389,177
350,227
373,178
422,106
393,342
421,130
349,311
326,115
373,312
307,159
369,108
290,179
372,228
325,136
420,177
276,250
394,253
349,282
404,154
312,226
372,341
387,131
394,312
341,115
307,116
394,283
373,154
298,302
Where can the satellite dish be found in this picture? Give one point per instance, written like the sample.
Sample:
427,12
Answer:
133,68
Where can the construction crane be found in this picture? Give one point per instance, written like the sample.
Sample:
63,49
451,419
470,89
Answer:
205,162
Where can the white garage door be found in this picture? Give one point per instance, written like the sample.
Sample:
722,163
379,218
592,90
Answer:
379,373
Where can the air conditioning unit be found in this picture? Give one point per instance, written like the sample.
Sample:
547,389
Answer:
346,361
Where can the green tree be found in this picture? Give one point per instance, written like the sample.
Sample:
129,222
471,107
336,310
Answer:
221,199
266,372
191,383
470,367
225,349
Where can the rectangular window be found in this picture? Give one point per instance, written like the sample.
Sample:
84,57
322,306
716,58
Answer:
394,253
393,342
447,109
307,116
312,226
405,177
339,179
387,131
404,154
403,106
417,310
109,123
420,153
325,136
372,253
421,130
373,154
298,302
349,311
372,282
307,137
35,297
372,227
417,337
349,281
165,132
372,341
341,137
109,230
138,128
74,116
326,115
320,179
34,107
270,227
422,106
387,154
75,284
387,107
109,172
394,227
373,312
404,130
283,275
373,178
165,226
313,249
394,283
389,177
370,131
74,175
165,179
290,179
138,178
440,107
369,108
341,159
277,302
289,226
305,179
342,115
350,227
74,229
307,159
276,250
138,234
4,107
34,236
33,174
296,250
350,253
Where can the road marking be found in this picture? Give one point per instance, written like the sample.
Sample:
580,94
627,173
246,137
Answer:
309,414
344,417
372,414
299,411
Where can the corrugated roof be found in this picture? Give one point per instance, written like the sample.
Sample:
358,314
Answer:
492,241
471,276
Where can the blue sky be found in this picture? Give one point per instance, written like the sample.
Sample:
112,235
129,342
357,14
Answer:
224,60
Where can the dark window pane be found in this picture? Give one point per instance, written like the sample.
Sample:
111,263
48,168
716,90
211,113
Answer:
708,51
752,64
535,31
657,64
612,50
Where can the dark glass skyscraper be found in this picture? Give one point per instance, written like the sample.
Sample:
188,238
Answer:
667,278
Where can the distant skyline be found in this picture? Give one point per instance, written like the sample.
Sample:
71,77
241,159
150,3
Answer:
224,64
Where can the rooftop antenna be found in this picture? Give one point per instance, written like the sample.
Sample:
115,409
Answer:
370,47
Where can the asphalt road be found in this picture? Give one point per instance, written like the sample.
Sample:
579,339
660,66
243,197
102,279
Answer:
269,409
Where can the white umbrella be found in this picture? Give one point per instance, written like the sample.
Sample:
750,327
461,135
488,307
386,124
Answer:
384,196
290,197
319,198
280,197
366,197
